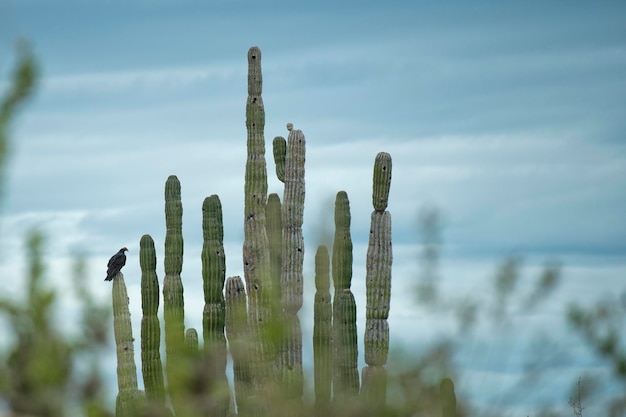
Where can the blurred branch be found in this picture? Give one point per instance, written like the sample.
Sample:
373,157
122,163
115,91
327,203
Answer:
21,87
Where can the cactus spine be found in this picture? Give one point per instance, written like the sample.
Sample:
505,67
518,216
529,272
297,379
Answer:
151,367
126,401
378,284
322,332
345,350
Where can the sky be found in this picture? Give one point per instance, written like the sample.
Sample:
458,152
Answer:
507,118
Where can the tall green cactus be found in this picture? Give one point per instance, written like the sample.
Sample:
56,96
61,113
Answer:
378,284
322,333
214,315
238,338
126,403
255,247
274,228
173,305
292,265
345,349
151,367
256,260
448,398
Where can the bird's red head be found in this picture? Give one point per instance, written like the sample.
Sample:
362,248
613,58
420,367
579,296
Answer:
124,249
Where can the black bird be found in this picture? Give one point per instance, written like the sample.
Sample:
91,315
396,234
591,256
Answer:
115,264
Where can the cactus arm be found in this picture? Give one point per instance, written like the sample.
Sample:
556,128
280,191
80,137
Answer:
173,302
151,366
345,349
214,314
213,275
381,181
448,398
238,335
275,239
342,244
191,342
279,146
322,332
378,288
255,247
126,401
292,215
174,312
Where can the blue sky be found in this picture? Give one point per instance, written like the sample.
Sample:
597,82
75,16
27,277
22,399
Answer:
509,118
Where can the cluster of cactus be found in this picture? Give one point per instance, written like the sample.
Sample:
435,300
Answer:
260,319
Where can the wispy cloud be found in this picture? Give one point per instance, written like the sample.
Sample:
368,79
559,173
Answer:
141,79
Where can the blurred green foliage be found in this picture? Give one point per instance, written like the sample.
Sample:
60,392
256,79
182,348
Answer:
38,372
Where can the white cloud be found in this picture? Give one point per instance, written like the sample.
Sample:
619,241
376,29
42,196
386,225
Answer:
140,79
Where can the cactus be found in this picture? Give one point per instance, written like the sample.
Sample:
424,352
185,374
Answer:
191,342
378,284
260,321
448,399
151,367
255,247
214,315
126,401
173,305
279,145
292,264
274,227
322,332
237,334
345,350
382,181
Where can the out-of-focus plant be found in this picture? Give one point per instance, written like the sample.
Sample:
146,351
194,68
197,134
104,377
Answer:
21,87
602,328
38,375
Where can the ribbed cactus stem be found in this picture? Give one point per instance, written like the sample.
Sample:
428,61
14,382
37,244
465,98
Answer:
279,146
256,260
293,211
374,389
345,350
237,333
342,245
173,302
378,288
174,312
274,227
382,181
213,276
255,247
191,342
378,267
126,402
322,332
214,314
151,366
448,398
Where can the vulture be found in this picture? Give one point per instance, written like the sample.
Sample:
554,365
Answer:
115,264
